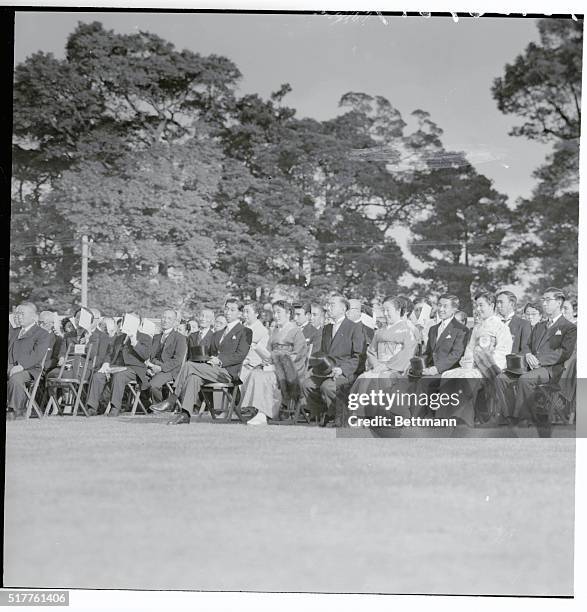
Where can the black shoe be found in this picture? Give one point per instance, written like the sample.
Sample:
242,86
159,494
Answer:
326,418
167,405
92,411
114,412
182,418
10,415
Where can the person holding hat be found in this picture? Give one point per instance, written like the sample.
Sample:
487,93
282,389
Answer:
551,344
281,377
490,342
334,368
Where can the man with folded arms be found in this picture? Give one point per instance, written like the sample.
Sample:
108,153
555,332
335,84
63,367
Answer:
343,341
505,306
228,350
27,346
552,342
167,353
125,362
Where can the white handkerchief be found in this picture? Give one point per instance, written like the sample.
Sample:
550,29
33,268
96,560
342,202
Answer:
448,337
558,333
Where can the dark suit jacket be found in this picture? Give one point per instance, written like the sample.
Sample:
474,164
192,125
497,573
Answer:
196,339
55,344
521,332
134,357
171,353
29,350
100,342
233,349
345,348
309,332
445,352
553,345
368,334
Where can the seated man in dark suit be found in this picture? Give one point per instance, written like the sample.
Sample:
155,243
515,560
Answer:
167,355
354,314
130,352
302,314
446,340
317,320
203,337
228,350
551,344
505,306
47,322
343,341
27,346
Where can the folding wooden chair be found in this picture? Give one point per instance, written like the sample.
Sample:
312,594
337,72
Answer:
228,406
74,376
169,384
31,390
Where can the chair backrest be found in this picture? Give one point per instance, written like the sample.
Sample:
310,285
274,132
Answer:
308,355
38,377
78,363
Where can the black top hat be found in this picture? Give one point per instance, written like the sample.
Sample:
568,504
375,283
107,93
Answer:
416,367
322,365
198,352
516,364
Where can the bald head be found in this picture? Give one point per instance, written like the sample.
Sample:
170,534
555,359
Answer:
25,314
168,319
354,311
47,320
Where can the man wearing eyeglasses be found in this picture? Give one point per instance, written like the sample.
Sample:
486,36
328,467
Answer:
552,342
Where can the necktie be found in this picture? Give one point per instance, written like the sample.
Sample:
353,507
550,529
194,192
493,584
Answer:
550,322
223,336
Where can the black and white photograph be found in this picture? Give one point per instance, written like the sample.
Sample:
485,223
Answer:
292,301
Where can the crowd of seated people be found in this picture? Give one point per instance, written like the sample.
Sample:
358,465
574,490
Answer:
311,354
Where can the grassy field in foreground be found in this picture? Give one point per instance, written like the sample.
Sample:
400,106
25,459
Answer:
106,503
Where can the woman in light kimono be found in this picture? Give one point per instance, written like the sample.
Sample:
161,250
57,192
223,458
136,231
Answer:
282,367
392,347
490,342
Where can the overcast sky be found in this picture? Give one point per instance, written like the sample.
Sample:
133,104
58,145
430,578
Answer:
437,65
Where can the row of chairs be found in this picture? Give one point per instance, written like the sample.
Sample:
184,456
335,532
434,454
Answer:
66,393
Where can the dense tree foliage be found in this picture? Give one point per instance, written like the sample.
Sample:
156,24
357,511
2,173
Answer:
188,191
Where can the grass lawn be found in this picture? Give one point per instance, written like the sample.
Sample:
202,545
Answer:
109,503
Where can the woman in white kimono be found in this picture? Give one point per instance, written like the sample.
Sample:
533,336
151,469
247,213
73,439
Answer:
490,342
392,347
282,367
